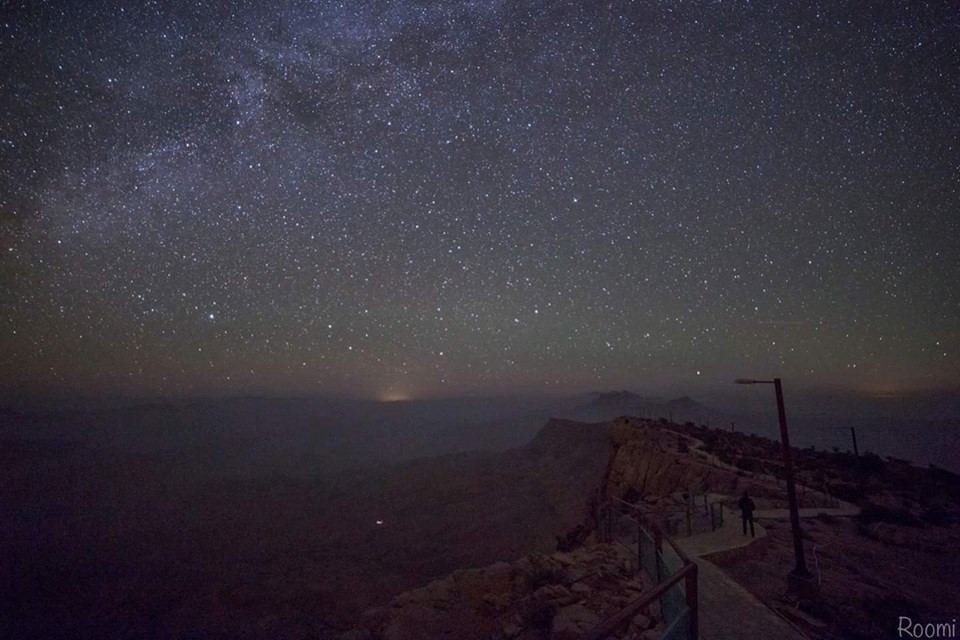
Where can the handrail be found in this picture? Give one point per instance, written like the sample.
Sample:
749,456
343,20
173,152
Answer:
687,572
652,511
688,510
607,628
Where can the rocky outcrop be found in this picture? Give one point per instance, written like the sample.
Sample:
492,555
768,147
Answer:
562,595
539,597
651,461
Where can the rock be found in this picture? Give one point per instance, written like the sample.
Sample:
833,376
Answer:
641,622
497,601
577,573
646,462
530,599
511,627
563,629
569,623
555,595
375,617
654,610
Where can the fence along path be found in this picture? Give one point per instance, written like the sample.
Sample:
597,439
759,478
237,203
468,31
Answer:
673,574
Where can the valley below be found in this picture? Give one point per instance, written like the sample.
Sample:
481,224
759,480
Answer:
96,546
212,520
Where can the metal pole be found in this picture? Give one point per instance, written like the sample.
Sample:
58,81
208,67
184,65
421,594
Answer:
801,568
853,433
693,601
604,522
639,544
658,549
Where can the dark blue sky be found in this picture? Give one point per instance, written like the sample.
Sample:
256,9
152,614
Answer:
398,199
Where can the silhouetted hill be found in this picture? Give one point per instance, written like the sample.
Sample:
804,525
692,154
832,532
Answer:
604,406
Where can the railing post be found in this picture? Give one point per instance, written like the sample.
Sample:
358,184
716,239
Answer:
689,530
607,523
602,522
639,544
713,518
693,600
658,548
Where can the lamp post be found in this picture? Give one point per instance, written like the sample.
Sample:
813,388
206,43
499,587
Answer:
798,580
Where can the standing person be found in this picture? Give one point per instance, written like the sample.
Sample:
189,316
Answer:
746,513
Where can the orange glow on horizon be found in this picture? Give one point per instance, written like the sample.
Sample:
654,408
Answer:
394,396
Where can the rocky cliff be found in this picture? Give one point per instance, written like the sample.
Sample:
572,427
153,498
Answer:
651,461
560,596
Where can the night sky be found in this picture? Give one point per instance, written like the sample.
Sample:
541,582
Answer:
411,199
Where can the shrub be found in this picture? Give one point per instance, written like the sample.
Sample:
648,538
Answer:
937,516
943,476
871,464
872,513
847,492
826,518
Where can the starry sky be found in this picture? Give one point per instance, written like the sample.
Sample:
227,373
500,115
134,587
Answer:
401,199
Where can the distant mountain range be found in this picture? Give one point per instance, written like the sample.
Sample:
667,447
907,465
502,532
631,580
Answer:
321,435
606,405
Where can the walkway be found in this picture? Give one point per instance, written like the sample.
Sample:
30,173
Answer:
845,510
727,610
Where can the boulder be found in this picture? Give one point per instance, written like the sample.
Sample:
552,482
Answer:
571,622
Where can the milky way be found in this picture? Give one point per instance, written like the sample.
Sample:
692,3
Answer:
395,199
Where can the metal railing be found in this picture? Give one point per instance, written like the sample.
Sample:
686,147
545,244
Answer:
673,573
698,515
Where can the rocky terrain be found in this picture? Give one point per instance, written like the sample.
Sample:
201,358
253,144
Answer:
655,459
156,544
899,557
558,596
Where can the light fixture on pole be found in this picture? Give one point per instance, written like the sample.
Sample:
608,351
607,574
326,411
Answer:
799,580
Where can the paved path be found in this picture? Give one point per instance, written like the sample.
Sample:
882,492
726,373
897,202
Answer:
846,510
727,610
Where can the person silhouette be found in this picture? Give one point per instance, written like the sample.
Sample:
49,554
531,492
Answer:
746,513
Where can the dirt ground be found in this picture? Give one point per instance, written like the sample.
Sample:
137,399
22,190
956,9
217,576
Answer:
869,575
